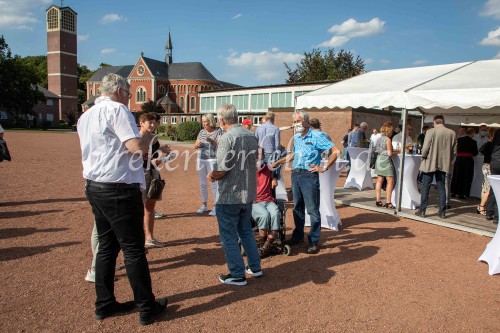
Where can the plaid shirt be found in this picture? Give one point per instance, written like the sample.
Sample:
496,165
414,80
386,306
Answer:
308,149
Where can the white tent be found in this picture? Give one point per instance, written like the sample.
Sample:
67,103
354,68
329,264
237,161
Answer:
464,89
465,92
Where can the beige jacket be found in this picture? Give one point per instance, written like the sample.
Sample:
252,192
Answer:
439,149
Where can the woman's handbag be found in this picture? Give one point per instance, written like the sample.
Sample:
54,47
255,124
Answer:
156,186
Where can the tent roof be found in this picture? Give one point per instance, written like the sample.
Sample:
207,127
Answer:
474,86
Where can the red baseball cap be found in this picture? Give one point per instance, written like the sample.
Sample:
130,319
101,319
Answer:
246,122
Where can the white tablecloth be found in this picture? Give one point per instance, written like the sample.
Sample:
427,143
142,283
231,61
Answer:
360,172
477,181
492,253
330,219
410,195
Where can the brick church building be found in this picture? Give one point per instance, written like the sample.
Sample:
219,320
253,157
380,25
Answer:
174,86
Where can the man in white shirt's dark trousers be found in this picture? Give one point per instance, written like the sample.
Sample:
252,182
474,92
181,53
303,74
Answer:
112,166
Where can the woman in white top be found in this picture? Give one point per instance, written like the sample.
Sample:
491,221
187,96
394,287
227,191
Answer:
206,143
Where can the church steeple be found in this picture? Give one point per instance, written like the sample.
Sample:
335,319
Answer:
168,48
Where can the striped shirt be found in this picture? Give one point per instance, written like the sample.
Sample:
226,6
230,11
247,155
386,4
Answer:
236,155
207,149
308,149
269,137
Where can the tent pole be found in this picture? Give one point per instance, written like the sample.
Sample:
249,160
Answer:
404,115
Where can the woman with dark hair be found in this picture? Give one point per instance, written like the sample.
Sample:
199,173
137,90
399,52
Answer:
383,165
463,170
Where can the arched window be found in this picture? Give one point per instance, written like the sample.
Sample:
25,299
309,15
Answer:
182,103
140,94
192,104
161,89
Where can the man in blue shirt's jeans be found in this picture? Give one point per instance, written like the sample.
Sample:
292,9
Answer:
308,145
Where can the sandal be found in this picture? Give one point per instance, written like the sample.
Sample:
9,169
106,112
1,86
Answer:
389,205
379,203
480,210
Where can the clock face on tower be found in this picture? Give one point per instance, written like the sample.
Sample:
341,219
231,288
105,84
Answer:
140,70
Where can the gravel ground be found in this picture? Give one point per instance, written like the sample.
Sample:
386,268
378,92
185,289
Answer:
378,274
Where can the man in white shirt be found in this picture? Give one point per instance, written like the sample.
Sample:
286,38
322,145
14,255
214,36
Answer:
398,138
482,137
112,161
374,137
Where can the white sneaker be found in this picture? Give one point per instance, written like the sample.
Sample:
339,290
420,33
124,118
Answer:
154,243
202,209
159,215
212,212
90,276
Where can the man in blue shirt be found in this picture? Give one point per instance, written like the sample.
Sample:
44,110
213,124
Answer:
308,145
268,136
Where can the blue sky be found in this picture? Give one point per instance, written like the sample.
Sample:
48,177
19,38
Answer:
246,42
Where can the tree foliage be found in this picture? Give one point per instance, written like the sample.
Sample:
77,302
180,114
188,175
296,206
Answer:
18,83
151,106
188,130
317,67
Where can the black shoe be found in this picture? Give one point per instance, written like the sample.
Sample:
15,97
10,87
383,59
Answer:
461,197
158,309
313,249
115,309
442,215
293,241
490,217
420,213
229,279
448,206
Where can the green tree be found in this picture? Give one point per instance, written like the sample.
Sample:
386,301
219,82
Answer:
151,106
327,66
18,84
39,65
84,74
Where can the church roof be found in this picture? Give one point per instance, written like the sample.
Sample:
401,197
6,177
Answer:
165,100
103,71
190,71
47,93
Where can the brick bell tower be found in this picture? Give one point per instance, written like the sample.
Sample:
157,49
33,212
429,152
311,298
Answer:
62,57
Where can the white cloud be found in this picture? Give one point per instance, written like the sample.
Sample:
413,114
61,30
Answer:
384,61
107,51
264,65
491,8
82,38
237,16
497,56
21,14
493,38
111,18
351,28
420,62
369,61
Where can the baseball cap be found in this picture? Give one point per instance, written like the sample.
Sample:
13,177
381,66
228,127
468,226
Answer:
246,122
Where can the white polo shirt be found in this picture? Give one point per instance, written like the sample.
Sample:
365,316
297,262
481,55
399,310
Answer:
103,130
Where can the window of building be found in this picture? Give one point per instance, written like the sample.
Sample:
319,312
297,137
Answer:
164,119
240,102
219,100
161,89
183,119
240,119
281,100
207,104
53,19
174,120
300,93
181,104
194,118
50,117
192,104
50,102
68,20
140,94
40,117
259,102
257,120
